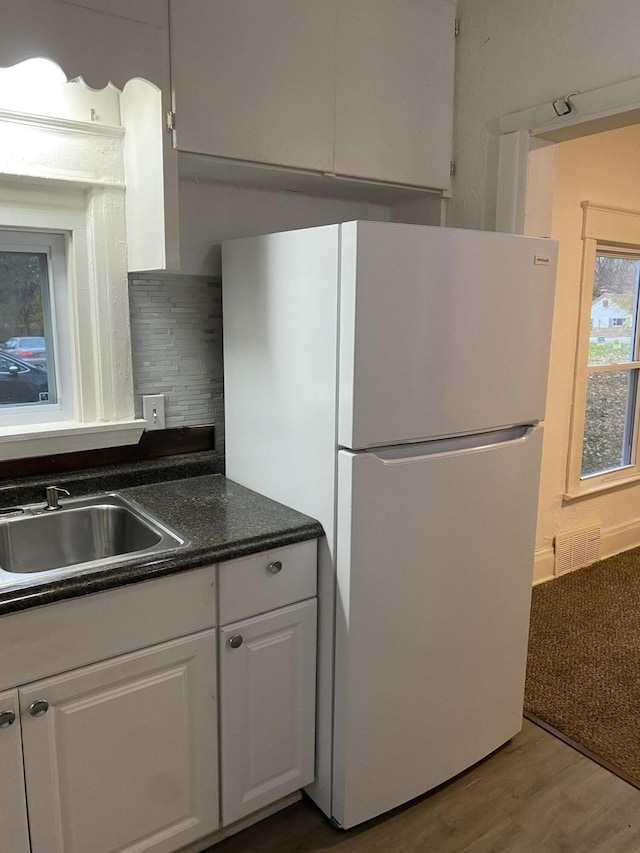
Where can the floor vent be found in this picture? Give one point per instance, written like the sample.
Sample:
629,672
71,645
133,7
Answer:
577,548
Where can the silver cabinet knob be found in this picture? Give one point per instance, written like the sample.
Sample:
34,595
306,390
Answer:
274,567
7,718
37,709
236,641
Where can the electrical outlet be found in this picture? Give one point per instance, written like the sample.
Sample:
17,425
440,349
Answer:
153,410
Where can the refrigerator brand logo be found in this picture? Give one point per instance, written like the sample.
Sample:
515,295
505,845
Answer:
542,260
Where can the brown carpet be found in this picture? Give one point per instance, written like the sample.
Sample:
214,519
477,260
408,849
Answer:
583,667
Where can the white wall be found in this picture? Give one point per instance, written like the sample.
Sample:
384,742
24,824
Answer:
515,54
211,213
603,169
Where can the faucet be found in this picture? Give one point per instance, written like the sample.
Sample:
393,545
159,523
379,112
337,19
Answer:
52,497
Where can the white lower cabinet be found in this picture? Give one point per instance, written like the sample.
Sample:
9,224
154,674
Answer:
122,755
267,708
111,741
14,829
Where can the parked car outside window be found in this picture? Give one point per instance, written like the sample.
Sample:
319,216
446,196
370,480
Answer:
21,382
29,349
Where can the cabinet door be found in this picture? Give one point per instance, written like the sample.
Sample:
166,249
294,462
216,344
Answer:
394,90
267,712
125,756
254,79
14,833
147,11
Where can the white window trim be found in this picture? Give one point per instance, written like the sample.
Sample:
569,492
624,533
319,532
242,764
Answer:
603,228
87,206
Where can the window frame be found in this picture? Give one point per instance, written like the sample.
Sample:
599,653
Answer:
82,198
612,231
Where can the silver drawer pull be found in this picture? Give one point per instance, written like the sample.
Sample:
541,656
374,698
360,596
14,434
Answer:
236,641
275,567
37,709
7,718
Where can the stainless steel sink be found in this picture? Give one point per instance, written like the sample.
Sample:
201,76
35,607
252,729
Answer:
83,533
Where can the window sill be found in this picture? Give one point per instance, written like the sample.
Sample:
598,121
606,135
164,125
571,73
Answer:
601,486
21,442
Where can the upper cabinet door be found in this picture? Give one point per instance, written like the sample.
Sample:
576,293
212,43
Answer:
394,90
253,80
148,11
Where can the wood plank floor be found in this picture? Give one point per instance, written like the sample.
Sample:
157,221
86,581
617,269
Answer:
535,795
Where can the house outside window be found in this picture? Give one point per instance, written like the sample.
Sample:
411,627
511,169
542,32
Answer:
605,436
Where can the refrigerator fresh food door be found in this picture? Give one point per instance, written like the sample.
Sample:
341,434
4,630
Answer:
442,331
435,552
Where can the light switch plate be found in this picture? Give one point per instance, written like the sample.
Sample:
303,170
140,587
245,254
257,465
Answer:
153,410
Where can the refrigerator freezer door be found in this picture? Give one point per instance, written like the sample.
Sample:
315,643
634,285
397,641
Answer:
434,565
442,331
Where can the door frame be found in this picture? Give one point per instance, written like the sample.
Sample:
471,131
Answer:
526,158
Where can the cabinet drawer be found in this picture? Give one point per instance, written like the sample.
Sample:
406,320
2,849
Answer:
254,584
68,634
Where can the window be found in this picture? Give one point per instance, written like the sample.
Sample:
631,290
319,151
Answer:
64,169
35,385
612,378
66,240
605,437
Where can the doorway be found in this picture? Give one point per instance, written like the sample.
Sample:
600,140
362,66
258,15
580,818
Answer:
549,165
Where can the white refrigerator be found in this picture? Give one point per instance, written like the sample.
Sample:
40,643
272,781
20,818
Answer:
390,380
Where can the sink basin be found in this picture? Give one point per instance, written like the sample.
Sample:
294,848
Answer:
82,533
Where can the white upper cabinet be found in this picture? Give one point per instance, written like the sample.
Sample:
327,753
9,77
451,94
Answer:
355,88
148,11
254,79
394,91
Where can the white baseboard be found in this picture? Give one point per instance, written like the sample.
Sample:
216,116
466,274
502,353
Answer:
543,564
615,540
621,538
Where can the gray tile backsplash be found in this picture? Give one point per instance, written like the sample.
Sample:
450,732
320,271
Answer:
176,341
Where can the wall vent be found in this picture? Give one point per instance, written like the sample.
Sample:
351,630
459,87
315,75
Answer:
577,548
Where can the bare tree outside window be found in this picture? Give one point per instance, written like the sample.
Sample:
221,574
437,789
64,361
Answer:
613,275
21,310
27,376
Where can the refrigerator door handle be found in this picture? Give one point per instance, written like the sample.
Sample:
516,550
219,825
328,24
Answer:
455,446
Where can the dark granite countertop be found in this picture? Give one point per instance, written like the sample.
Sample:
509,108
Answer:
221,519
